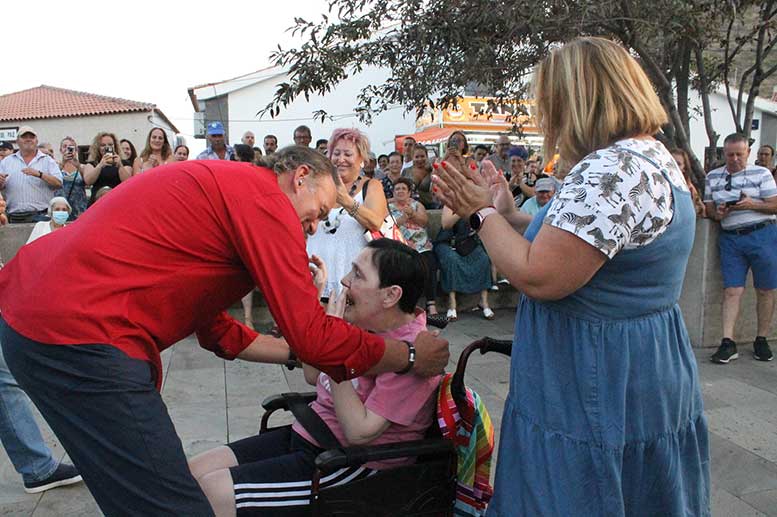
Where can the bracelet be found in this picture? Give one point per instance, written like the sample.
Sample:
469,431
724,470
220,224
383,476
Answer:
410,358
354,209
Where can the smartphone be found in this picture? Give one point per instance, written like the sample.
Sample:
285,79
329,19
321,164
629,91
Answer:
731,203
109,149
71,148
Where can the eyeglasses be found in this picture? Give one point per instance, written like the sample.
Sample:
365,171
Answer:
727,188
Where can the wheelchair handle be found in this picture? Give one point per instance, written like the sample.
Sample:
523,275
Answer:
485,345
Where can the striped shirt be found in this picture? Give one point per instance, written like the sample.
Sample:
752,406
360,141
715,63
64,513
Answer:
25,193
754,181
210,154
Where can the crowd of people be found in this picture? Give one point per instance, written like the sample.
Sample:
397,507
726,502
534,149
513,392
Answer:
610,195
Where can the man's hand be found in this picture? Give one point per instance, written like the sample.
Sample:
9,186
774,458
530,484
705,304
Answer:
721,211
3,218
431,355
3,178
31,172
746,203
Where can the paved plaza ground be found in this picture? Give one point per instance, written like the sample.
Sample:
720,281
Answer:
212,401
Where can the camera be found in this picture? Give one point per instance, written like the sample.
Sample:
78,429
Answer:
71,148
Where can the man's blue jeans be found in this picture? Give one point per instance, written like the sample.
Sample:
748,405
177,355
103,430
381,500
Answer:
19,432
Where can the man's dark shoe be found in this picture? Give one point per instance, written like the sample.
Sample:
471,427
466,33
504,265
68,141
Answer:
727,351
64,475
761,350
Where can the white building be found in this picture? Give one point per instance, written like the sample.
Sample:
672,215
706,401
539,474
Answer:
764,129
235,102
56,112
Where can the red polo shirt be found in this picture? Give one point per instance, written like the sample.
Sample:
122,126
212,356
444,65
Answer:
163,255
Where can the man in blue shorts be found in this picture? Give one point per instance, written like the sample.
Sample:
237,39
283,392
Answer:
744,199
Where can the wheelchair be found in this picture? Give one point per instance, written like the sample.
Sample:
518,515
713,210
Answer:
424,488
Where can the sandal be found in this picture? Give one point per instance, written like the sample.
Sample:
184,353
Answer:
451,315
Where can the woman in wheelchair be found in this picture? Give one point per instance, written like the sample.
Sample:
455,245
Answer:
270,473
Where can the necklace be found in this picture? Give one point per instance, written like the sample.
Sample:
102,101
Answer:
332,226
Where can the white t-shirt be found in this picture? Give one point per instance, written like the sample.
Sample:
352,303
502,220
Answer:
39,230
614,199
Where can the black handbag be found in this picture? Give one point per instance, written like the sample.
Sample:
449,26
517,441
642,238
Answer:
466,245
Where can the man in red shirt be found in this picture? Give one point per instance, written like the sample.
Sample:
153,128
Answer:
86,311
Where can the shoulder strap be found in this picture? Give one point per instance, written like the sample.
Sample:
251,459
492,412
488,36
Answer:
311,421
364,189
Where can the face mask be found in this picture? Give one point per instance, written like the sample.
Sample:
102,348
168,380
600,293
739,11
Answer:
60,217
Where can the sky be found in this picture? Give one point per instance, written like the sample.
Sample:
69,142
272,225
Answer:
147,51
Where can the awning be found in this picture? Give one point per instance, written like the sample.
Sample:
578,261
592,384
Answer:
429,136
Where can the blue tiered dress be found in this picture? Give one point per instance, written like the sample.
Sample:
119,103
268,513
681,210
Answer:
604,416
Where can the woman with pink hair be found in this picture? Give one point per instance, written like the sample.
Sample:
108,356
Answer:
361,207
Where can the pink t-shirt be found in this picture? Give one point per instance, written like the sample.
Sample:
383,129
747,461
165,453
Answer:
407,401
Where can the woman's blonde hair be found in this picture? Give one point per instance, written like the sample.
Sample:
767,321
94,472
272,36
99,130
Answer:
96,152
591,93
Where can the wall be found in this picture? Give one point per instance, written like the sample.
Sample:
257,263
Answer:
700,300
246,102
132,126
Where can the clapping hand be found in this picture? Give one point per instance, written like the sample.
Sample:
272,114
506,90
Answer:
464,192
500,189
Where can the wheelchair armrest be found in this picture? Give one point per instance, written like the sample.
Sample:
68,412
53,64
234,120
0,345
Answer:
357,455
280,401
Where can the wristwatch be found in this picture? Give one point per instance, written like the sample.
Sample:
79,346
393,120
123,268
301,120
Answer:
40,175
476,219
410,358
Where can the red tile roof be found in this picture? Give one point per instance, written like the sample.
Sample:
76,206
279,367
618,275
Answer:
50,102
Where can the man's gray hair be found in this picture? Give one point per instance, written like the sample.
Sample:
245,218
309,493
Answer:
291,157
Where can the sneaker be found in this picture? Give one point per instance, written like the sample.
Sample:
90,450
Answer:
488,313
761,350
504,281
451,315
727,351
494,287
64,475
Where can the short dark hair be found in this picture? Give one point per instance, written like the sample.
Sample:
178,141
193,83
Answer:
399,264
271,136
382,156
292,156
394,153
179,146
735,138
481,146
244,153
302,129
321,141
405,181
770,148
